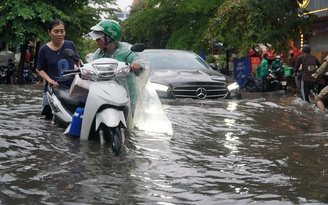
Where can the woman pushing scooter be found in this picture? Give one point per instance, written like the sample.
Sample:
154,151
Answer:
50,57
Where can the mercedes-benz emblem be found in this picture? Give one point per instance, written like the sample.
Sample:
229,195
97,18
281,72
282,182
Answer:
201,93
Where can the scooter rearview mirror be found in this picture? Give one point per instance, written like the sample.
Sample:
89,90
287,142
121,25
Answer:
69,54
138,47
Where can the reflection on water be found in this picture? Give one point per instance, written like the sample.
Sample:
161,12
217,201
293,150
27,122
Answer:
266,149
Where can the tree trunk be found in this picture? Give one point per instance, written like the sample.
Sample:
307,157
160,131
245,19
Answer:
22,60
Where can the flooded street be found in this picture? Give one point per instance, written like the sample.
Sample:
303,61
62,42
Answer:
268,148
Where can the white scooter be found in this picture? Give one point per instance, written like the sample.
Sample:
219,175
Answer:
97,105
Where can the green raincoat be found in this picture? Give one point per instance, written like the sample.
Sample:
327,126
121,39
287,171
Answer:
264,68
121,53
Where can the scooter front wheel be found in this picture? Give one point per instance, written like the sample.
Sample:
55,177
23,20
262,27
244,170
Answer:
116,141
114,136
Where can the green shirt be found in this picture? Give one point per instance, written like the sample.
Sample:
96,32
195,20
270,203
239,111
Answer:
275,65
264,68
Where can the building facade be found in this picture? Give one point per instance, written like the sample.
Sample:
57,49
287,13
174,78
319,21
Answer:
317,38
123,15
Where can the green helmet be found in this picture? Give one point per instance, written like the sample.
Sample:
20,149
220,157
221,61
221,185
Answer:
110,28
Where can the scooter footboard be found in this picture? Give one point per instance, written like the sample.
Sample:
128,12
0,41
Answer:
110,117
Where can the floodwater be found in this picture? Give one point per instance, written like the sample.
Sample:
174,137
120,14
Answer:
265,149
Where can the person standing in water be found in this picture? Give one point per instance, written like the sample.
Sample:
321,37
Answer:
51,59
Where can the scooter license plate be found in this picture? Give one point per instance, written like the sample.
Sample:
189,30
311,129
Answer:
283,83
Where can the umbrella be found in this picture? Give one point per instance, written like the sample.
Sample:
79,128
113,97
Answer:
267,49
296,51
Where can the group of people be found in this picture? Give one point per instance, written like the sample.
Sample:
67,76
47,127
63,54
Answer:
12,72
276,67
307,69
106,33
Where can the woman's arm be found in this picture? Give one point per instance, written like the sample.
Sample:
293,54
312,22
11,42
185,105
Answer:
46,77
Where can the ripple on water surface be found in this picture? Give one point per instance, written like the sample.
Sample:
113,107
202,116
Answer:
266,148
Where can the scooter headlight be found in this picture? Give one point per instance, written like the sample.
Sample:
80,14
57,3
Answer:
107,70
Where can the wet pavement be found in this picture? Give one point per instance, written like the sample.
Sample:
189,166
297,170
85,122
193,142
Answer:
268,148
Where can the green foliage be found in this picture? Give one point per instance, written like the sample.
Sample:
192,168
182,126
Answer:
170,23
255,21
85,47
21,21
26,20
211,59
196,25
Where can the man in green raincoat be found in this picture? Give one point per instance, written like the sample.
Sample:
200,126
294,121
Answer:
264,72
108,34
277,67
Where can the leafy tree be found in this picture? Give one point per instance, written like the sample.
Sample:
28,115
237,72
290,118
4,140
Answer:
26,20
196,25
170,23
241,24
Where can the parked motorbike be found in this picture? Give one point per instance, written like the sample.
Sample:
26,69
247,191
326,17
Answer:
3,74
254,84
274,83
216,67
28,76
97,105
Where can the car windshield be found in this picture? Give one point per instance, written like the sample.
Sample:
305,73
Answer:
174,61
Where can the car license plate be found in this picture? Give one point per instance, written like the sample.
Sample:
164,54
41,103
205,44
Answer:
283,83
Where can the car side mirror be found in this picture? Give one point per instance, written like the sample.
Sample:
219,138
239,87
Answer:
214,66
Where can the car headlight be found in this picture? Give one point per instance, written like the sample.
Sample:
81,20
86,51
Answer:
159,87
105,70
233,87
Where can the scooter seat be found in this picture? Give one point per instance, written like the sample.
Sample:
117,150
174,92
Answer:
62,93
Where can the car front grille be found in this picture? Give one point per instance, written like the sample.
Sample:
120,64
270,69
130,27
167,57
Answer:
200,91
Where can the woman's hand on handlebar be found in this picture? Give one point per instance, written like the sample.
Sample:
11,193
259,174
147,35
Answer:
53,83
78,63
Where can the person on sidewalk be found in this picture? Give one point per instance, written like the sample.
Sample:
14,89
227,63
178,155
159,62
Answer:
264,72
309,65
277,67
11,72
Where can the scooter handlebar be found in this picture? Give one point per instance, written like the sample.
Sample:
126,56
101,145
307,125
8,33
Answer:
67,75
71,71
